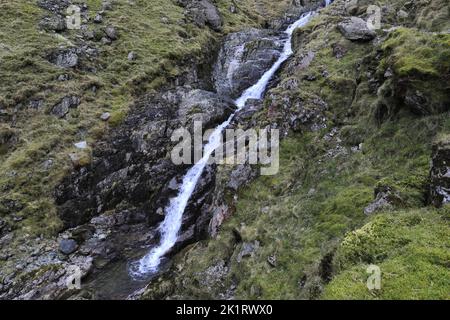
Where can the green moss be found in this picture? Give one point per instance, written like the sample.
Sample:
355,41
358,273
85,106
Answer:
411,249
413,53
163,48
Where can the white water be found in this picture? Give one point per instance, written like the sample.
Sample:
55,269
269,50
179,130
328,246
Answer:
171,225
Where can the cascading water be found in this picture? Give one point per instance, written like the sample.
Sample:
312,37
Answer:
171,225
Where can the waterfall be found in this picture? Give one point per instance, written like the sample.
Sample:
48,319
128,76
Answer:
171,225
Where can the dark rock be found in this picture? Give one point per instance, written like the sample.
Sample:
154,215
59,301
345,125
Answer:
57,6
62,108
68,246
36,104
203,12
66,58
240,176
385,199
53,23
98,18
440,173
111,32
356,29
205,106
244,57
417,102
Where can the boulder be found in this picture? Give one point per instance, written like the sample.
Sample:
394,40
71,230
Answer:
111,32
356,29
202,12
385,199
205,106
53,23
68,246
65,58
105,116
62,108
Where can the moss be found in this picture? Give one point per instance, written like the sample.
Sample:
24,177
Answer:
411,249
314,207
165,48
413,53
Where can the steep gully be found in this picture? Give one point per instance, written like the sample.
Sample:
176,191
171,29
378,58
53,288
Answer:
172,223
126,237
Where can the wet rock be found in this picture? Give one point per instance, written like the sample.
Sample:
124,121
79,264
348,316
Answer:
53,23
205,106
440,173
243,58
68,246
356,29
62,108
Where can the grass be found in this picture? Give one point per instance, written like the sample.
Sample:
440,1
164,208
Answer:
310,216
165,45
410,247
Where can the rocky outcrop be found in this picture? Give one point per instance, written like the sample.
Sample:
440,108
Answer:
202,13
385,199
243,59
204,106
440,173
63,107
356,29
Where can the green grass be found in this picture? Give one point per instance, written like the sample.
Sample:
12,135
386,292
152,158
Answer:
310,216
165,48
410,247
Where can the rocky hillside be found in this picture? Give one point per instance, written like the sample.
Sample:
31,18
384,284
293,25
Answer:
361,172
86,116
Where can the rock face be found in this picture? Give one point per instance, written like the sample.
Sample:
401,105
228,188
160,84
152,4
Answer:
66,58
53,23
385,199
440,173
131,166
62,108
243,59
204,106
68,246
356,29
202,12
